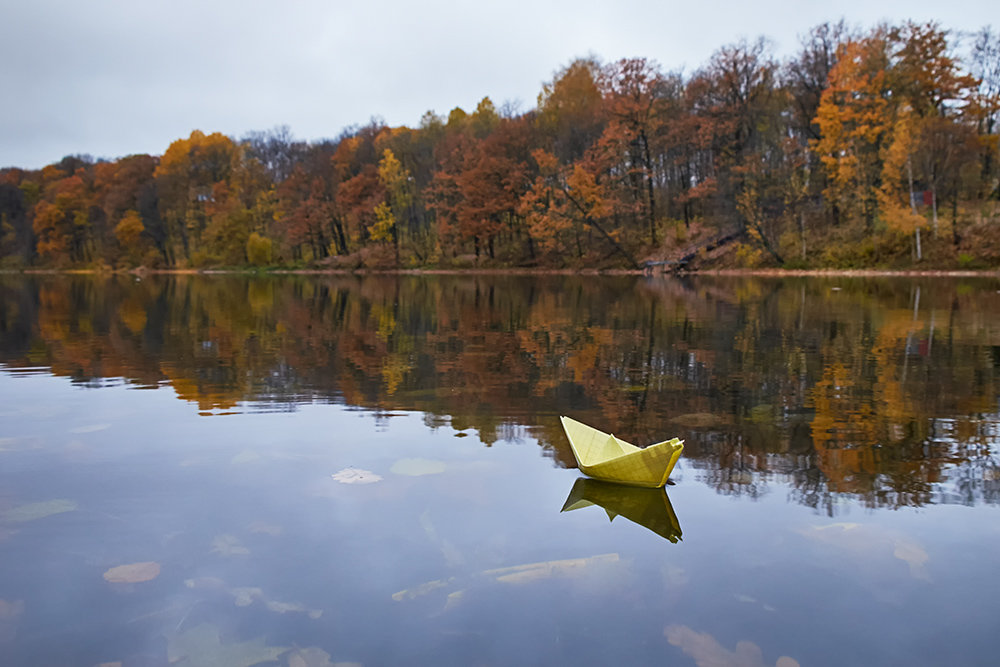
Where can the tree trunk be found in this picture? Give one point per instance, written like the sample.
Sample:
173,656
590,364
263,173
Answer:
649,188
913,207
954,219
934,208
802,233
909,176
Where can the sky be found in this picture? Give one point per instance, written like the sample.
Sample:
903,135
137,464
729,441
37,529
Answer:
110,78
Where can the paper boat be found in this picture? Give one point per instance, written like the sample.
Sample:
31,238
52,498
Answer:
603,456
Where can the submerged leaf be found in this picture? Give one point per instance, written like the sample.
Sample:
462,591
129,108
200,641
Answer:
206,583
33,511
245,596
418,467
913,555
356,476
266,528
11,610
309,657
520,574
315,657
228,545
516,574
202,647
91,428
421,590
706,650
133,573
246,456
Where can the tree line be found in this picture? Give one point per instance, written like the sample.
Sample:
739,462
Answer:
865,148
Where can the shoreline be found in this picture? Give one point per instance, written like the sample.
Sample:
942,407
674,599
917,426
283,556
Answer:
763,273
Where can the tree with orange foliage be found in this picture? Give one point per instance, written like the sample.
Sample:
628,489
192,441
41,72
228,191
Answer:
62,218
563,203
127,186
887,91
855,118
476,193
185,177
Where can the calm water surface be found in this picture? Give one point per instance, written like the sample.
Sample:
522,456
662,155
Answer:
313,471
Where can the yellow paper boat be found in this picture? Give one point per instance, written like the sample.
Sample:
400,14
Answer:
603,456
650,508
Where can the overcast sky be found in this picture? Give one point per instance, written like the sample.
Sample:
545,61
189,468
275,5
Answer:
110,77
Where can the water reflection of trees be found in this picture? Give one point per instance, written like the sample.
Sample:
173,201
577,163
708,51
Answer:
881,390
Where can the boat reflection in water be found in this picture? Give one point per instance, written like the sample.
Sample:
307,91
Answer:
650,508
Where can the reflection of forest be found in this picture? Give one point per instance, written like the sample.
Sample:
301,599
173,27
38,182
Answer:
886,390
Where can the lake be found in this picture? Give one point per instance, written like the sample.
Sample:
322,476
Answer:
332,470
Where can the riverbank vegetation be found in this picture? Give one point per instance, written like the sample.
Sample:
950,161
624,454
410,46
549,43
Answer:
866,149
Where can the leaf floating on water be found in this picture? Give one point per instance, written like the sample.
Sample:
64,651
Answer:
33,511
228,545
202,647
356,476
418,467
133,573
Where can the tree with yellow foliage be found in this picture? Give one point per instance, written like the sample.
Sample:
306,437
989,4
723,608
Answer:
392,213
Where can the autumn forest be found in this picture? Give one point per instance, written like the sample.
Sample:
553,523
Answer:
866,148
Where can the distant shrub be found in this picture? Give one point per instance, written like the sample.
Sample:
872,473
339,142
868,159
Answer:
748,257
680,232
152,259
795,264
203,258
259,250
850,255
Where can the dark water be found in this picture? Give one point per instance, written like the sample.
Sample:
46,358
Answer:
837,503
